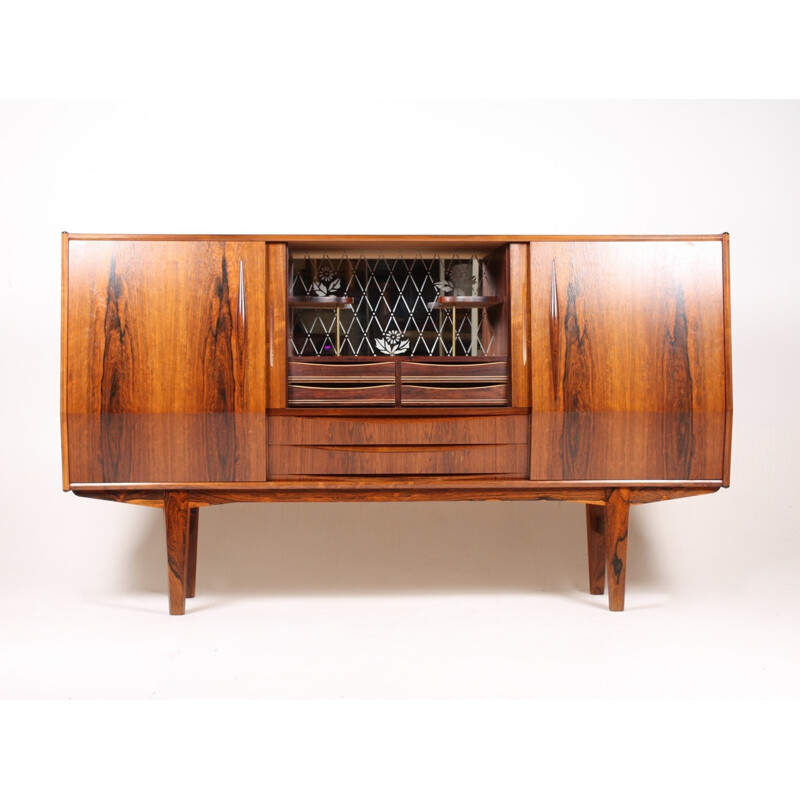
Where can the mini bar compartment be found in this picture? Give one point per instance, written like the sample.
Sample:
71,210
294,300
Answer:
429,328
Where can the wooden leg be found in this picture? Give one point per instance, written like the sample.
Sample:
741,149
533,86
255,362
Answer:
176,514
595,536
616,522
191,566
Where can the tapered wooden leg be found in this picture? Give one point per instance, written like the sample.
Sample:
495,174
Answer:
176,514
616,522
596,541
191,566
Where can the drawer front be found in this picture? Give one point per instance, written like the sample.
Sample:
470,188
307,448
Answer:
366,382
356,394
494,394
319,371
448,372
509,460
319,445
363,430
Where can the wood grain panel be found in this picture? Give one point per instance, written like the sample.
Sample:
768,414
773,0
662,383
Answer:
639,389
166,361
324,430
172,446
406,459
519,310
277,288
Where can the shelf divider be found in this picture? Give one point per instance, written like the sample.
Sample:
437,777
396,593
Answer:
449,301
321,302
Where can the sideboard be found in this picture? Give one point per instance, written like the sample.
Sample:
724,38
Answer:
199,370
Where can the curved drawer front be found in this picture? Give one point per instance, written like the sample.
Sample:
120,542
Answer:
341,394
484,445
443,371
320,371
466,394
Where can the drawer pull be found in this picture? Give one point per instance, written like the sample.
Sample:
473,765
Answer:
342,388
472,382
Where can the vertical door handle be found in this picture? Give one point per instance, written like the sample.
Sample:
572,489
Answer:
242,298
554,329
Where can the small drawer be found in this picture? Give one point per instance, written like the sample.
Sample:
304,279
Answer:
319,371
356,394
416,394
454,372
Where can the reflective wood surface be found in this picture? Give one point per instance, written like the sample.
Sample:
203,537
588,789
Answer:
165,367
637,389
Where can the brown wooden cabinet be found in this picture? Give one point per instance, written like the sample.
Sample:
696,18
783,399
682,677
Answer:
203,369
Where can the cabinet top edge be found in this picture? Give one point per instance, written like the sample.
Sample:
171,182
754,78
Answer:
339,239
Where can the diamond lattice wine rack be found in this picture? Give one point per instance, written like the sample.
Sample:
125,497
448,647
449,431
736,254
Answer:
406,329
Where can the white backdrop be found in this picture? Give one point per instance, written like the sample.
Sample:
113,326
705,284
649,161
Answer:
713,590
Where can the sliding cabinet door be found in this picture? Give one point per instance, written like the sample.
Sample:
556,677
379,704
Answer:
628,360
166,361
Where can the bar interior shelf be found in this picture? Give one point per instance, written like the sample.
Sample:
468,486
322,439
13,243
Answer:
448,301
321,302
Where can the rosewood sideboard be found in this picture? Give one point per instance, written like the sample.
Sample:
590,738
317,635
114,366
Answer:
199,370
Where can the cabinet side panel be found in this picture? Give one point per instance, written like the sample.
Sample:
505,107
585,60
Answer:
519,302
251,379
277,280
630,337
545,365
64,306
166,364
726,277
